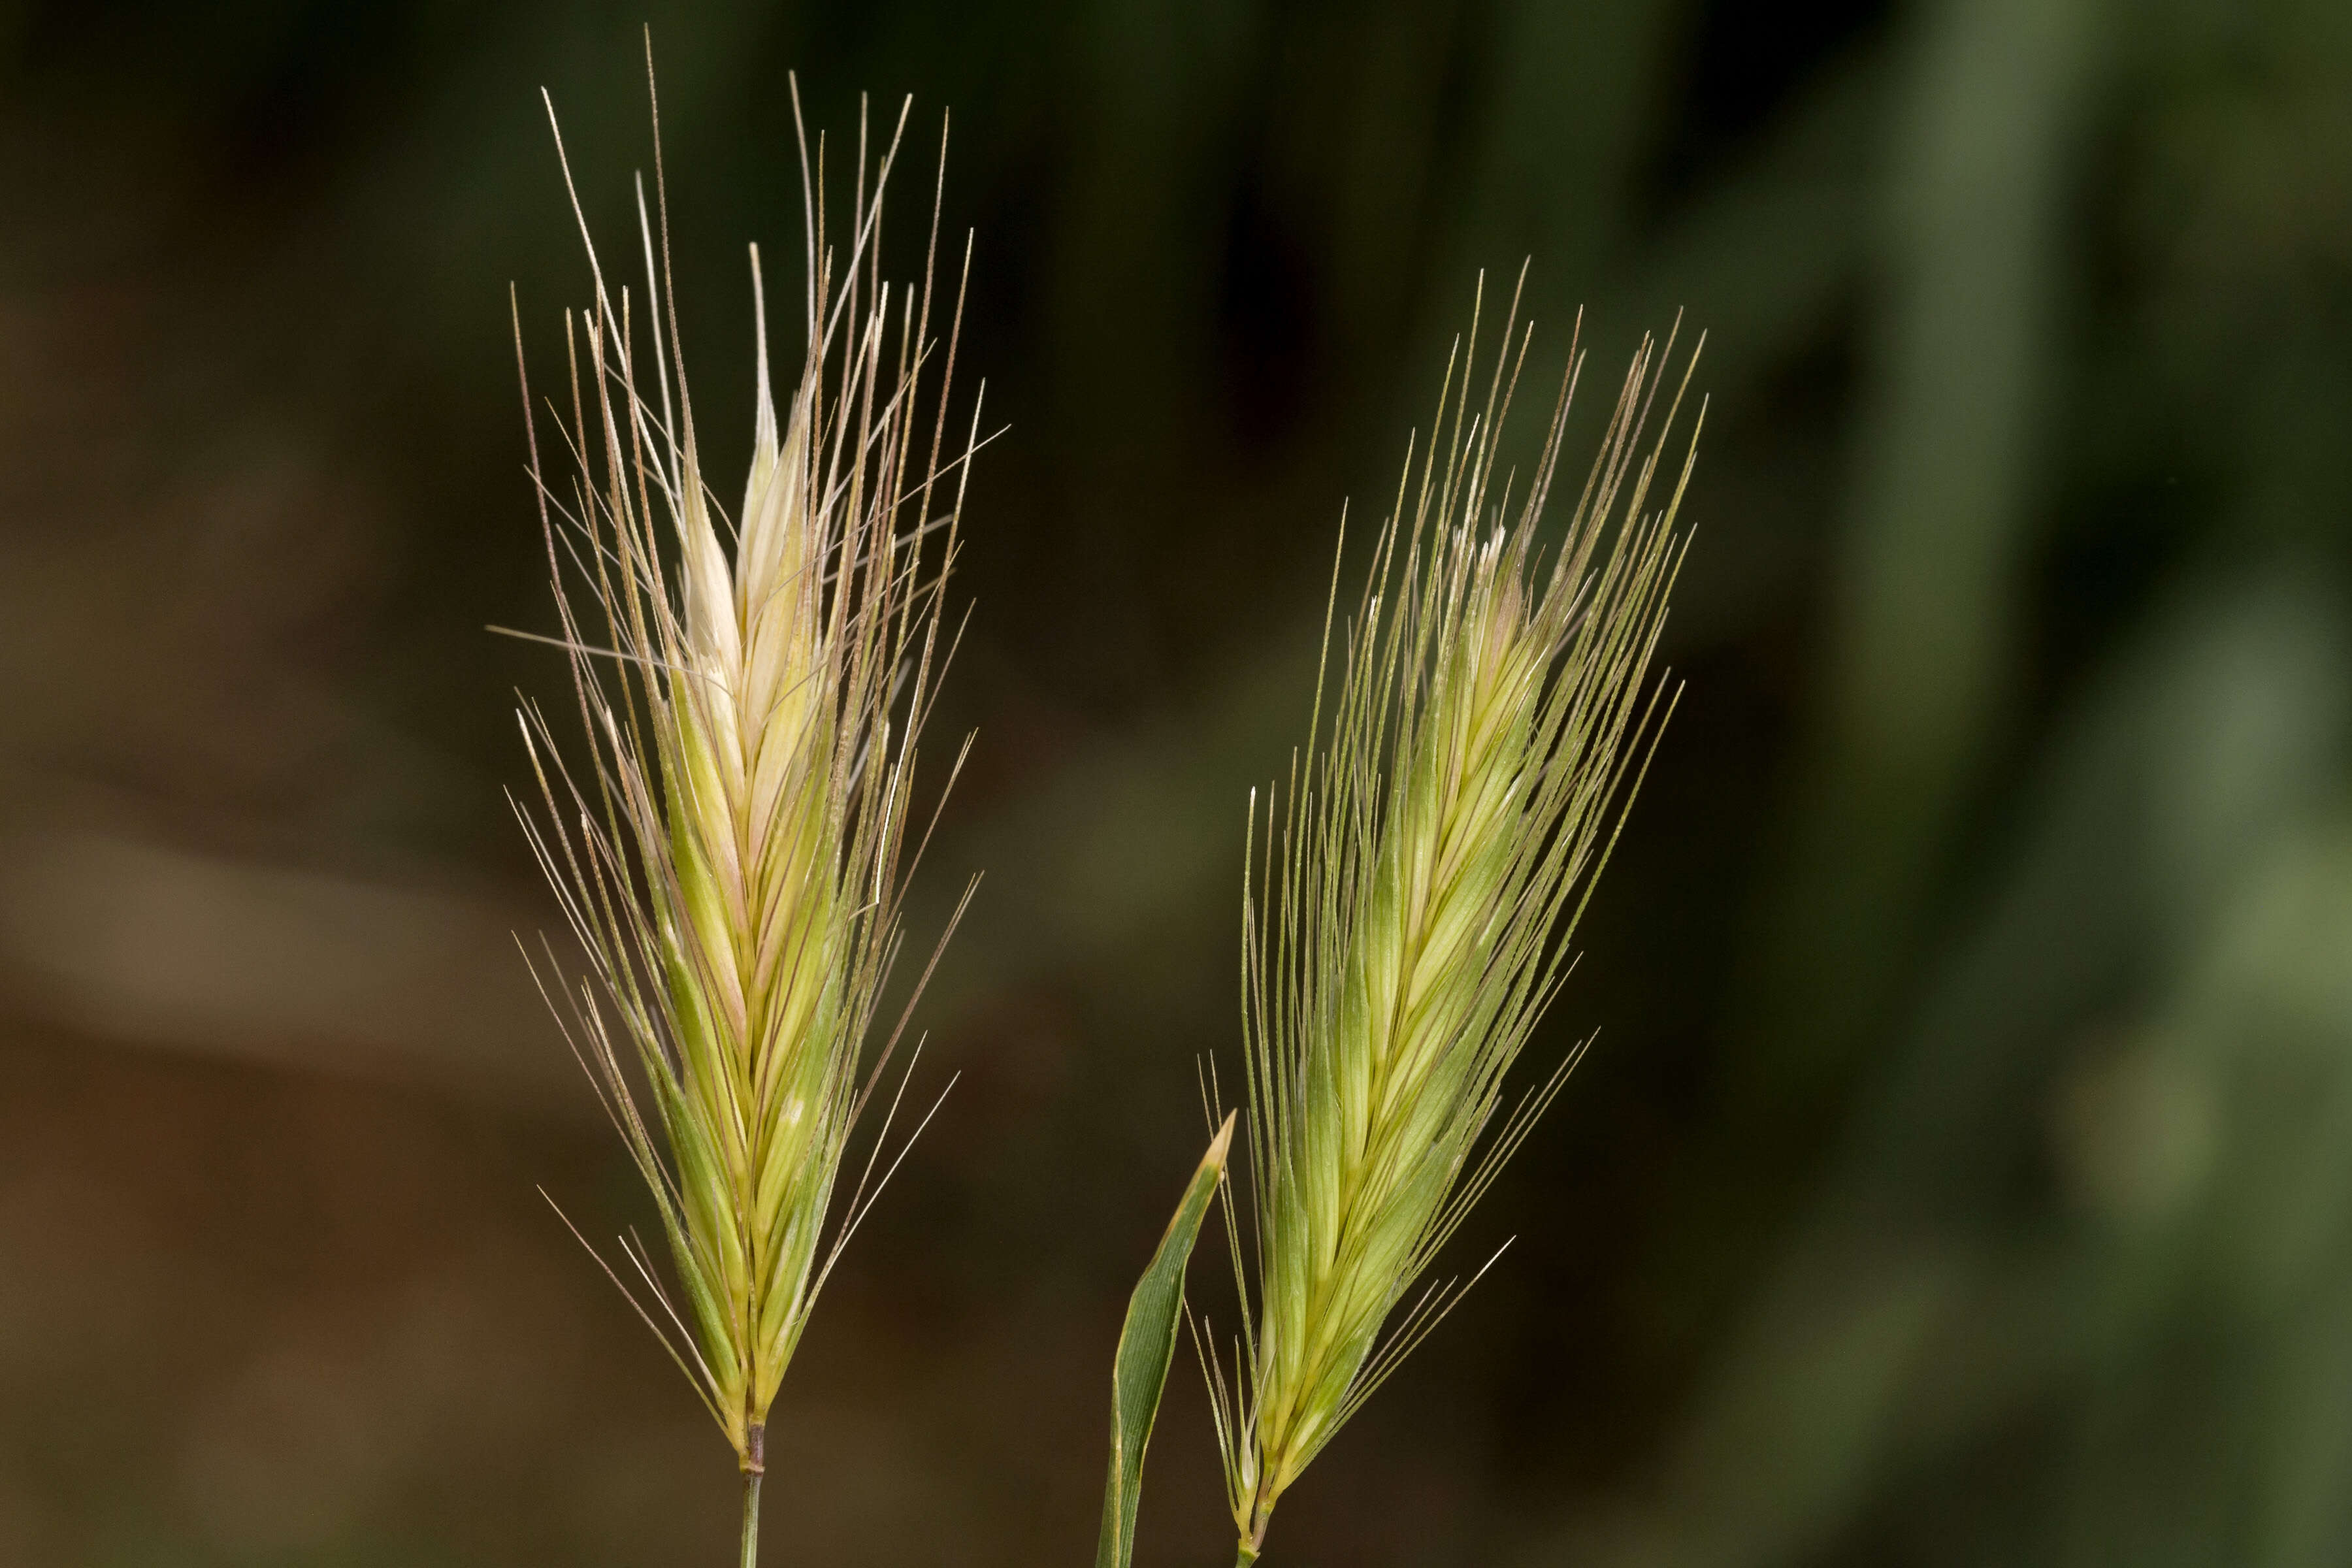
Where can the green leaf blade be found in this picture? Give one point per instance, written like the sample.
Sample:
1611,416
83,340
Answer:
1147,1346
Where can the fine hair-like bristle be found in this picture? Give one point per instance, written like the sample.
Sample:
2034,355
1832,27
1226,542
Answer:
732,853
1407,913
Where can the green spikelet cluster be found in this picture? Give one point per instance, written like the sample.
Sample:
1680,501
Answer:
731,860
1413,908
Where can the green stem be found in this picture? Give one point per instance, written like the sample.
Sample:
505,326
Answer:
755,1464
1247,1557
751,1519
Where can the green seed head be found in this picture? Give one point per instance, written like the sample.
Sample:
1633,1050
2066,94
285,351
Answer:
730,858
1415,902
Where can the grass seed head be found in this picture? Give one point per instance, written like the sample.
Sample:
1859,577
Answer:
731,855
1413,903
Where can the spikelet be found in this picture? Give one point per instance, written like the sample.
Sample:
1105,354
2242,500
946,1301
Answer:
731,860
1412,917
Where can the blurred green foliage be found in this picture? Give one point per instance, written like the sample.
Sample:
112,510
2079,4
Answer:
1964,1175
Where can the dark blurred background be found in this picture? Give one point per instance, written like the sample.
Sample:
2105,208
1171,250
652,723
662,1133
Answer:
1964,1171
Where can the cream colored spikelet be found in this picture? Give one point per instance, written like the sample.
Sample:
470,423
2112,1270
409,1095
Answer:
1413,903
732,855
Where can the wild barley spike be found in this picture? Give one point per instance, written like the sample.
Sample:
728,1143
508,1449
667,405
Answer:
732,857
1412,906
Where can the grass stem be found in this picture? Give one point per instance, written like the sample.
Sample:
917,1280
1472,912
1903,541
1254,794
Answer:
751,1519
